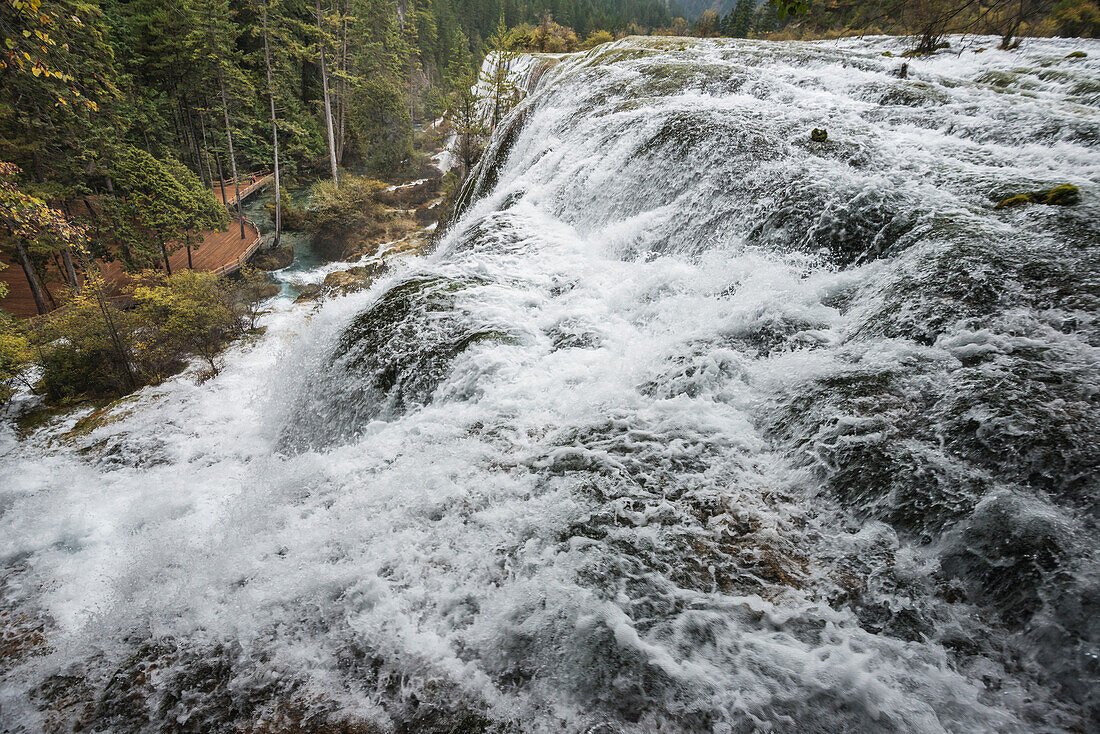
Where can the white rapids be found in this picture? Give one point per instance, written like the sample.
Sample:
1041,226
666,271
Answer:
688,424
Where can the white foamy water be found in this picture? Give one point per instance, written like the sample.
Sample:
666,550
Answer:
689,424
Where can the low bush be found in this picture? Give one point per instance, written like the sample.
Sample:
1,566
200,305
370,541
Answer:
91,348
15,354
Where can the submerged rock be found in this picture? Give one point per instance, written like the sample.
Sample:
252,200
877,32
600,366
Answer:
389,360
1062,195
1077,55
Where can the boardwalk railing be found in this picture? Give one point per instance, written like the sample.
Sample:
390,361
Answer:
246,179
232,267
249,184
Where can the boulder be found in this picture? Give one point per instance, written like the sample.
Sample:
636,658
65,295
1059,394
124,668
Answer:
819,135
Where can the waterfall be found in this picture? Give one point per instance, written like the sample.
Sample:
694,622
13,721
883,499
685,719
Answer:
690,423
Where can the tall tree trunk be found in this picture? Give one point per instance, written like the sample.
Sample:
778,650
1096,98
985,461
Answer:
206,151
67,256
187,244
274,128
70,271
97,286
229,137
195,138
164,253
341,98
328,105
39,176
43,277
221,177
188,140
32,279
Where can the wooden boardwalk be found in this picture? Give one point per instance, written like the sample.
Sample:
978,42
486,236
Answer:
250,184
218,252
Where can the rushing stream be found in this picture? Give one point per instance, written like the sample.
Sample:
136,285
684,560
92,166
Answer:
688,424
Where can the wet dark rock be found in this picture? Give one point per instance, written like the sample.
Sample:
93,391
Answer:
1005,550
845,226
1076,55
819,135
388,361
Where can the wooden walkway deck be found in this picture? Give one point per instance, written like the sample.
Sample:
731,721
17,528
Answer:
250,184
222,253
218,252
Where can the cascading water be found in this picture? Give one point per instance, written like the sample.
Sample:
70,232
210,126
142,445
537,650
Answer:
689,424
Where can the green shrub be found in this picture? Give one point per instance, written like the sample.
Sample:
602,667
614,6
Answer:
189,314
336,213
85,349
15,354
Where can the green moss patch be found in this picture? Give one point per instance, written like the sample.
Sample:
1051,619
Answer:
1062,195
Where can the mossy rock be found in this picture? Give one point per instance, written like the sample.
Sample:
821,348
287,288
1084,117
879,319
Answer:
45,415
103,415
30,421
999,79
308,292
912,94
888,54
819,135
1085,88
1077,55
353,279
1017,200
275,258
1062,195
